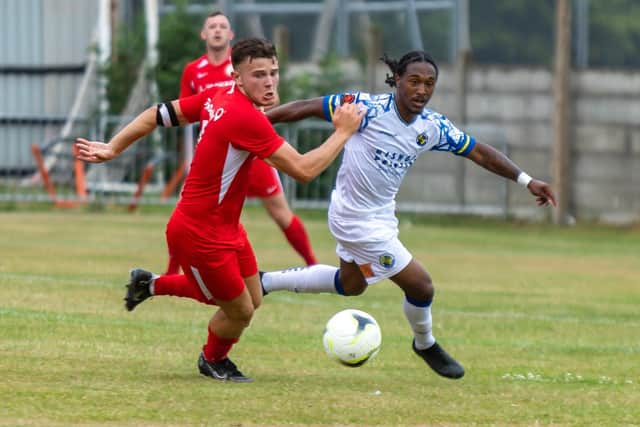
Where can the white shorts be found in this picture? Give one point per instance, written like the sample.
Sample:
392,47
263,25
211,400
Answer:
368,239
377,260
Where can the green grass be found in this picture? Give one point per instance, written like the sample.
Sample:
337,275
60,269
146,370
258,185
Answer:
546,321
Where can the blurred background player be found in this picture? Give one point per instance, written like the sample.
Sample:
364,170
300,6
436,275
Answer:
213,70
397,128
204,232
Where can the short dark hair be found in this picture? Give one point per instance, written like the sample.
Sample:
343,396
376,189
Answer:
252,47
215,13
399,67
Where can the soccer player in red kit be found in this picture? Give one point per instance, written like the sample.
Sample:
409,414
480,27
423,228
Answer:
204,232
213,70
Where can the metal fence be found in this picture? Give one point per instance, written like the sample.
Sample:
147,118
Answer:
43,58
150,172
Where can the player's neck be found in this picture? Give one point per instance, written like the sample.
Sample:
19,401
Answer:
217,57
404,114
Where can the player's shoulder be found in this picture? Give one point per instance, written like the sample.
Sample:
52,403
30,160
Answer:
376,104
199,62
365,98
429,114
431,121
239,107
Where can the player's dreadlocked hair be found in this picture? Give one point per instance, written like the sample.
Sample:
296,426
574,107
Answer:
399,67
252,48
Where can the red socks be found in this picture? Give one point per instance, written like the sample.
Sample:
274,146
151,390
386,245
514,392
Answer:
217,348
298,238
178,285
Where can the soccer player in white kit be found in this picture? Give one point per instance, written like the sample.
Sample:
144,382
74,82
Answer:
396,129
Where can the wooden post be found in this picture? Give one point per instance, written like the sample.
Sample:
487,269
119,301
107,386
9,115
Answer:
373,57
561,89
142,182
115,15
281,41
175,180
80,179
322,35
462,67
48,185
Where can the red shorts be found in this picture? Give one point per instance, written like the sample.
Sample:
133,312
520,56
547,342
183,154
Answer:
219,273
263,180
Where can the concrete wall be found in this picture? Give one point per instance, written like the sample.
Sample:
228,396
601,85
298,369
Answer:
514,106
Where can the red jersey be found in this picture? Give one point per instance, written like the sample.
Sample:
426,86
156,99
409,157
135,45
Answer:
232,132
200,75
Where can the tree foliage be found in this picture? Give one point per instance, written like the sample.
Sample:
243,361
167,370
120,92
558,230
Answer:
126,58
512,32
501,31
615,33
179,43
522,32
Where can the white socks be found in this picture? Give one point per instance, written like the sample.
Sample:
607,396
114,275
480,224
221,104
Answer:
313,279
420,320
321,278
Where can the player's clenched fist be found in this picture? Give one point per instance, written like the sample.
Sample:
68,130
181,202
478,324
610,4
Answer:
347,117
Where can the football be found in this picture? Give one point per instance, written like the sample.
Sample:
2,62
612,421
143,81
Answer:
352,337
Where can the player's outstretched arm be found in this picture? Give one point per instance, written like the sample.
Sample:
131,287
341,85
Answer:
305,167
141,126
296,110
498,163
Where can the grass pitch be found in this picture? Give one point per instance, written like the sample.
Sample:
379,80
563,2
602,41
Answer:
545,320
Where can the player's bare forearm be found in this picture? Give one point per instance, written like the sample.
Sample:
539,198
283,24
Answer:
498,163
296,110
494,161
317,160
98,152
305,167
140,127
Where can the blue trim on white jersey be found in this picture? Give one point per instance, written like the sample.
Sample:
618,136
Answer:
451,139
328,106
466,148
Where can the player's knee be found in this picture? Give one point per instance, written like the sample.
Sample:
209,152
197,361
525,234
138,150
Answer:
279,210
350,281
354,287
257,302
282,217
355,292
428,289
419,287
242,315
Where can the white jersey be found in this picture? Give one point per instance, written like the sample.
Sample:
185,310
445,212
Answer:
376,159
